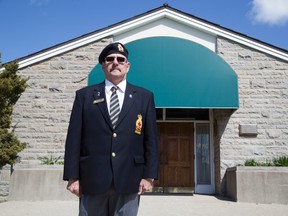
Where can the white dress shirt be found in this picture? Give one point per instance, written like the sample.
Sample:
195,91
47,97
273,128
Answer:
120,92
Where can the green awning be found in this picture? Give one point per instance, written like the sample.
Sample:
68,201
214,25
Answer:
181,73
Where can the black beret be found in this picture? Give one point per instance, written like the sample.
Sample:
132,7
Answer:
112,48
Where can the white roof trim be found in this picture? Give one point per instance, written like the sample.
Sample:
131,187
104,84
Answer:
134,23
228,34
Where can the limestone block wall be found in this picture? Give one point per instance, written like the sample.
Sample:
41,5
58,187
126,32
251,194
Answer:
4,182
42,113
263,101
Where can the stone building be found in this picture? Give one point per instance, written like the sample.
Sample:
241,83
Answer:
221,96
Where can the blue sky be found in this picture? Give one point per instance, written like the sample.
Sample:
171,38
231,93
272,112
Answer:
29,26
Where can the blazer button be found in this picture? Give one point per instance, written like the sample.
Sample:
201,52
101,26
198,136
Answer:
113,154
114,134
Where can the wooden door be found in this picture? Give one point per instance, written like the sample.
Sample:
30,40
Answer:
176,142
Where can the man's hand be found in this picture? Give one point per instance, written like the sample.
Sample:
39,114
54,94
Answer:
74,187
145,185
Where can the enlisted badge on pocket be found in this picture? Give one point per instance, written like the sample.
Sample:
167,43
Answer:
138,124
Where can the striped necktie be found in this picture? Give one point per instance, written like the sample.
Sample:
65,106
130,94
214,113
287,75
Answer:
114,106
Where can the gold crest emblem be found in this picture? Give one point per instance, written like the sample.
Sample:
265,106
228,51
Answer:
138,124
120,48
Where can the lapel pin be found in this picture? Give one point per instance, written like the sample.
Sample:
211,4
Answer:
130,96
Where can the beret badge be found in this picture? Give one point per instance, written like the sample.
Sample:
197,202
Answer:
120,48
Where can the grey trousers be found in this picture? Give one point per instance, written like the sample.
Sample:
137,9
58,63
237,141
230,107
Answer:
109,204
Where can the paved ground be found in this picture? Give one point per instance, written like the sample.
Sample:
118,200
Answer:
153,205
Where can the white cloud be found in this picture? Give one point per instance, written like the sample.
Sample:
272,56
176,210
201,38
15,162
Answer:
273,12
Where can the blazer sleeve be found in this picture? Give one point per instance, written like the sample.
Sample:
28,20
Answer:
151,147
73,141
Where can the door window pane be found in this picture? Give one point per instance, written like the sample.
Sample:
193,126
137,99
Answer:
203,162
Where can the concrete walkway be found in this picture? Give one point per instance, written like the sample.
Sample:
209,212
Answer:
152,205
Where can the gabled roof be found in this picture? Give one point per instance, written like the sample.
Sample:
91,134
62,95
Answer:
164,11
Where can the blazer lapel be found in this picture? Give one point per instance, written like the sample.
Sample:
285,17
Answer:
100,101
129,99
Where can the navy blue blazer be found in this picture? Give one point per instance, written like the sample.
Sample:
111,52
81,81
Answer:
99,155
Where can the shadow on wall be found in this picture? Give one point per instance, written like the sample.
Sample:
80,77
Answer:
220,122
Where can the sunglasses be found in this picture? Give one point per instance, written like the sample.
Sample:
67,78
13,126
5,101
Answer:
119,59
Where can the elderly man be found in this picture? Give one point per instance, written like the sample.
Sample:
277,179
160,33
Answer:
111,152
